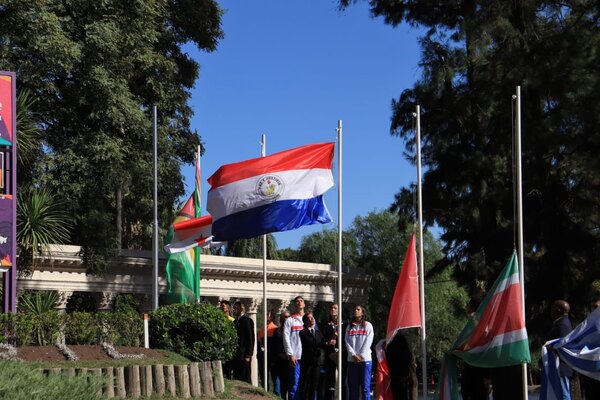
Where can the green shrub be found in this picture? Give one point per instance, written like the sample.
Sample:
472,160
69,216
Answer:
8,331
20,382
199,332
121,329
126,304
46,328
82,328
24,328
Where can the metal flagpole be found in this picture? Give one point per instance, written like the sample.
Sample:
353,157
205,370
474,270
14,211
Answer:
520,218
155,223
264,243
339,288
421,268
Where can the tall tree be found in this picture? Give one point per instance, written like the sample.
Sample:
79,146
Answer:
474,53
321,247
253,248
97,68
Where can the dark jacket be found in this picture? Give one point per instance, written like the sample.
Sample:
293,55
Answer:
245,332
312,347
561,328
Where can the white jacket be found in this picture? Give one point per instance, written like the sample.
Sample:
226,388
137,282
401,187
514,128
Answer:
359,338
291,336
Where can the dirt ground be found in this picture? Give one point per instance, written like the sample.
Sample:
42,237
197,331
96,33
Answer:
85,353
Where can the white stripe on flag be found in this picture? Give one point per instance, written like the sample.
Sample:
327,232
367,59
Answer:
242,195
512,279
501,340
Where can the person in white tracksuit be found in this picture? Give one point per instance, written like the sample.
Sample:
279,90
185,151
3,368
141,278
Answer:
293,347
359,338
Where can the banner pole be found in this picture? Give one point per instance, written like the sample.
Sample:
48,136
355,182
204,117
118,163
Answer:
264,246
421,266
520,220
155,210
339,288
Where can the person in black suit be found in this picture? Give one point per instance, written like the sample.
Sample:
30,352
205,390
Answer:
330,333
313,344
280,368
245,348
561,327
475,380
399,357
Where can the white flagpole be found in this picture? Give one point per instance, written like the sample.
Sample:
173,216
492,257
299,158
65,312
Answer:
264,243
421,268
197,250
339,288
520,219
155,219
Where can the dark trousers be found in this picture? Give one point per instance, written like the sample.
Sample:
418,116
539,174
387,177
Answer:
241,371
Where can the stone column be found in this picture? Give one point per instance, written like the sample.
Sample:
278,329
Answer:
64,296
106,300
251,310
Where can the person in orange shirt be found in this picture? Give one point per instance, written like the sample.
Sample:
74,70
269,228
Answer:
271,328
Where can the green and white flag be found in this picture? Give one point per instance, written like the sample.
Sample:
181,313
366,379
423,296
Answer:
494,337
183,268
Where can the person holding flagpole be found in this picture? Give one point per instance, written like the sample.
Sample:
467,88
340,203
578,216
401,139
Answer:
359,338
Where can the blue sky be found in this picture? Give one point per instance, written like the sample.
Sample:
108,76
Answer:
291,70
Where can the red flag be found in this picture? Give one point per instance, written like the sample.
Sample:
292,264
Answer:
382,377
405,311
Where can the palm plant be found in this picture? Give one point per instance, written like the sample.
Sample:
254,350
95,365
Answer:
41,221
38,301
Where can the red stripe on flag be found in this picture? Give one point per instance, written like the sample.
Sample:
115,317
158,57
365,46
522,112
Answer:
503,314
305,157
196,223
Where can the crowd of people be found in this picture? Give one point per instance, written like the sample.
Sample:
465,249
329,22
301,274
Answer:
302,357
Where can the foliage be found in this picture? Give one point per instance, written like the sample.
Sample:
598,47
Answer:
97,69
288,254
321,247
445,315
41,221
38,301
199,332
19,381
125,304
253,248
82,302
473,56
29,139
8,332
121,329
40,329
44,329
81,328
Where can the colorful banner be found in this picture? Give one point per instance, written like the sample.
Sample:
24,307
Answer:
6,232
6,109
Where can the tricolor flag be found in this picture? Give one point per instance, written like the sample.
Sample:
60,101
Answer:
580,349
280,192
183,268
495,336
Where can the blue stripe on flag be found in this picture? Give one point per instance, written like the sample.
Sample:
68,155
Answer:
279,216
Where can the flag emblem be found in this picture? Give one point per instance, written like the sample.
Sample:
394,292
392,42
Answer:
270,187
